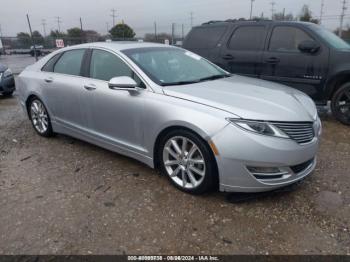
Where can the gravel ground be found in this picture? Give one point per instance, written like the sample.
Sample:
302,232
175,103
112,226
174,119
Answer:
64,196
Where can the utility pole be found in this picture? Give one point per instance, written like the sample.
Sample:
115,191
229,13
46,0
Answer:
31,36
43,22
155,31
107,27
114,16
81,24
172,33
251,9
183,32
273,3
284,14
59,21
340,33
0,31
191,17
321,14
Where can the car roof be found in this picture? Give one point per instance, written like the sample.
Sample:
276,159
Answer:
118,45
253,22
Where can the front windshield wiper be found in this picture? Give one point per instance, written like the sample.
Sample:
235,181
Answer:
214,77
180,83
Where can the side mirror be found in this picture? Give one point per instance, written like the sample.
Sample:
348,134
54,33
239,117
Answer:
122,83
309,46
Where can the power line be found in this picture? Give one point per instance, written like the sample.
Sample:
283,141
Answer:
344,7
43,23
59,21
114,16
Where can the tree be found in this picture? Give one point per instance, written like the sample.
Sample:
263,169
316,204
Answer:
38,38
24,40
306,15
57,34
122,31
75,32
283,17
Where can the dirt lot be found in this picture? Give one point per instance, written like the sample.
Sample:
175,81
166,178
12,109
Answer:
64,196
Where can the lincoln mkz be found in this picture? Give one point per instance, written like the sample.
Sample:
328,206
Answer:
174,110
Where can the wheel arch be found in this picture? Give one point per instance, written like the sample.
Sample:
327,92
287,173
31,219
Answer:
335,82
191,128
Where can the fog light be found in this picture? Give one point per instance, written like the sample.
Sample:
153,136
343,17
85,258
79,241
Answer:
263,170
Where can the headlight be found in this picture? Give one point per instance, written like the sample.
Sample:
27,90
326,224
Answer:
8,72
259,127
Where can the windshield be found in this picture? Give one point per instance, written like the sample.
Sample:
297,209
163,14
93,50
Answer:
331,38
172,66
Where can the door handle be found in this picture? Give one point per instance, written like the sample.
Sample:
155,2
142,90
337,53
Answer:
48,80
228,57
272,60
90,87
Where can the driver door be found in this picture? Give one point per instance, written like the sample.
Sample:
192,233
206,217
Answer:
115,116
283,62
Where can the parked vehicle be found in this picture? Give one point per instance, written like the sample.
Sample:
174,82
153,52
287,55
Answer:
301,55
174,110
38,50
7,81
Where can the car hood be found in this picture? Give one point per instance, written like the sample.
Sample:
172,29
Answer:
249,98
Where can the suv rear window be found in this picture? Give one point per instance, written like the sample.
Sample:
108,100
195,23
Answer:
205,37
247,38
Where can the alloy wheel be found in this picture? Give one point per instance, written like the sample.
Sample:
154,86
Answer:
39,116
184,162
342,104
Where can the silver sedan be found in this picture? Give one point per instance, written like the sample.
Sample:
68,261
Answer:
174,110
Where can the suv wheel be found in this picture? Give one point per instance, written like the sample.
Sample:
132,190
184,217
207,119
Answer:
188,162
341,104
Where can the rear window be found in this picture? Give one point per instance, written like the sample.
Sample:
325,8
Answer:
205,37
247,38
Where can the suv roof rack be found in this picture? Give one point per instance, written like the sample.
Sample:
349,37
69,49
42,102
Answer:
237,20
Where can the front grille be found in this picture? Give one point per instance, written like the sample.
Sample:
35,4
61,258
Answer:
301,167
301,132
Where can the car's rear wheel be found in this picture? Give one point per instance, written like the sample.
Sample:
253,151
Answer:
341,104
40,118
188,162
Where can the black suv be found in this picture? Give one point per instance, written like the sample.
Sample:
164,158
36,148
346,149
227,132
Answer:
301,55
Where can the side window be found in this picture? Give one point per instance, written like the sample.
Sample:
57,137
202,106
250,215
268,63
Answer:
70,62
105,66
287,39
205,37
247,38
48,67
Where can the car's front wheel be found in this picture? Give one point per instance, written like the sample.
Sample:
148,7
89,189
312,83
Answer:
341,104
40,118
187,160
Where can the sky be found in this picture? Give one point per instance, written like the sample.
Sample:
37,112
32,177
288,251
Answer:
142,14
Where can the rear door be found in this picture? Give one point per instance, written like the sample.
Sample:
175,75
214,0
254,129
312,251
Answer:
64,87
243,52
286,64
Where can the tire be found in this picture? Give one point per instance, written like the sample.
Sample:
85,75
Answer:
7,94
340,104
194,163
40,118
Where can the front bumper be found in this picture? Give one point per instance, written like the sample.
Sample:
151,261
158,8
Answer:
239,149
7,84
